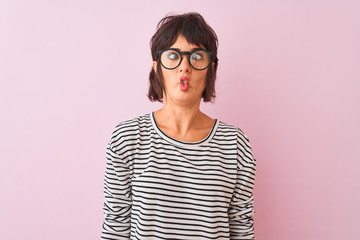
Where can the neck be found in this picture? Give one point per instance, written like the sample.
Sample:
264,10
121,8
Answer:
180,118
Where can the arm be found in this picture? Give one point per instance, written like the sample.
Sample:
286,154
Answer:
117,204
241,211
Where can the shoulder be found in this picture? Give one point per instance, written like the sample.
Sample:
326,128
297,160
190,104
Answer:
229,128
242,141
130,128
133,123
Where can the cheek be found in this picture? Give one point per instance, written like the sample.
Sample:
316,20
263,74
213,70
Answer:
165,76
203,79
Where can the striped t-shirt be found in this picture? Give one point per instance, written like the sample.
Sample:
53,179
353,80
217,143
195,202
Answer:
157,187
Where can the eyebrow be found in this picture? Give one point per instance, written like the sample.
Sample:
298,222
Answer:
190,49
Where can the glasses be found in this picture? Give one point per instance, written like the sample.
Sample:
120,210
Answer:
198,58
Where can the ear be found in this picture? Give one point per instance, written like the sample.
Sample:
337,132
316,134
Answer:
212,65
155,66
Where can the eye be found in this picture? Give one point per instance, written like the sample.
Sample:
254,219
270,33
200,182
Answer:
173,56
197,56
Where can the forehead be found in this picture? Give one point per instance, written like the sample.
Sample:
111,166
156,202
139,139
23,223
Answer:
182,43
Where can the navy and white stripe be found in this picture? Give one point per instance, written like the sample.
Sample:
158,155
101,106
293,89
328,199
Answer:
157,187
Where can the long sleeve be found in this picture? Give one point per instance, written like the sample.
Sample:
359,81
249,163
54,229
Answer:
241,211
117,191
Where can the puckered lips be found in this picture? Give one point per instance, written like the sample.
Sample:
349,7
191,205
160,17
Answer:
184,83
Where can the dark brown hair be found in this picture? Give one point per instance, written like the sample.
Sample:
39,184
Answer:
196,31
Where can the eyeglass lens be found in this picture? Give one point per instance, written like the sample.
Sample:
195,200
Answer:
198,59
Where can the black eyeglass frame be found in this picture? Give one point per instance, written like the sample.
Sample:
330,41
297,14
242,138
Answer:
181,53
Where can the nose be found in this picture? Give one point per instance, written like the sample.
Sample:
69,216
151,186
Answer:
185,65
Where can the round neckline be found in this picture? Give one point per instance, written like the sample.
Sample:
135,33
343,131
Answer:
182,143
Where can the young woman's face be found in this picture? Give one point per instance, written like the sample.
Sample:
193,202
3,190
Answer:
184,85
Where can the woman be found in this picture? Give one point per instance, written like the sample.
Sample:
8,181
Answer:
176,173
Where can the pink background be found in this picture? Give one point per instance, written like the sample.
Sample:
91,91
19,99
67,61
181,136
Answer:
288,76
